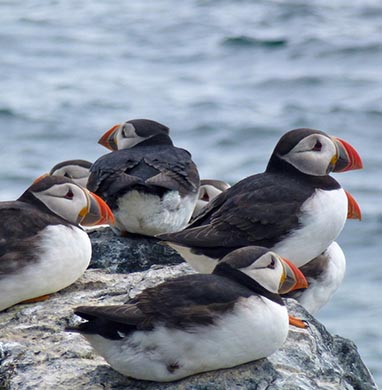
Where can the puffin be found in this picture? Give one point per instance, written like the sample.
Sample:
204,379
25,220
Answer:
77,170
197,322
43,248
150,185
208,190
294,207
324,275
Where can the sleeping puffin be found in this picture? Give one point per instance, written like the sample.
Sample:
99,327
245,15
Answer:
209,189
150,185
77,170
324,275
42,247
197,322
294,208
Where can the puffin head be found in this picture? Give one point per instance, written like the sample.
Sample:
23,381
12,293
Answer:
209,189
69,200
273,272
131,133
315,153
77,170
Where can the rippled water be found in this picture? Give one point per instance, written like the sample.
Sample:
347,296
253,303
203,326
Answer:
228,78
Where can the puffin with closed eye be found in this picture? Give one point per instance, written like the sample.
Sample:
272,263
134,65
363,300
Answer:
324,275
77,170
294,208
197,322
150,185
209,189
43,249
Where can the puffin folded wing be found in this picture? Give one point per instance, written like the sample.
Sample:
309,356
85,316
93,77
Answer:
204,236
119,321
112,321
128,314
198,315
178,175
18,238
120,182
165,180
228,232
109,168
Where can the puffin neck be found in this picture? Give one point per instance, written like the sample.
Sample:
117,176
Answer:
277,165
225,270
159,139
28,197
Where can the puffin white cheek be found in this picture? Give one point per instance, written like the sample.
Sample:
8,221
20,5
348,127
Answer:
316,164
310,163
70,209
266,277
63,208
126,143
274,280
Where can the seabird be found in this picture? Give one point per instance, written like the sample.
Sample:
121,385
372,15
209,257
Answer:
150,185
197,322
294,208
42,247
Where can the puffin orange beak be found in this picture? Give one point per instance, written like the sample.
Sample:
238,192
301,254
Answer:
108,139
347,158
97,211
292,279
40,178
354,211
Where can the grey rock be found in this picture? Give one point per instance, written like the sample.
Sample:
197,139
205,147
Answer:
128,254
36,352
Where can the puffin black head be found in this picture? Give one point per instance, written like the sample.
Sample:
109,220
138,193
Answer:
133,132
68,200
313,152
273,272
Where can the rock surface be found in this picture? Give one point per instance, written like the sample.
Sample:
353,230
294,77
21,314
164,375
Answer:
36,352
128,254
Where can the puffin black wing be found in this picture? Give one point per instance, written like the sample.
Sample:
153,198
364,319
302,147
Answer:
115,165
152,168
183,302
176,169
21,224
258,210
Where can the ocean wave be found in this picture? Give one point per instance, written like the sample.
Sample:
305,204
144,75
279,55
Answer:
246,41
8,113
352,110
349,50
305,80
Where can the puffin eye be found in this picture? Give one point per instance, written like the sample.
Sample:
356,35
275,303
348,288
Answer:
272,264
69,194
317,147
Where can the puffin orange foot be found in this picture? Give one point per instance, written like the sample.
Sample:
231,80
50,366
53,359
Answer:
297,322
37,299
